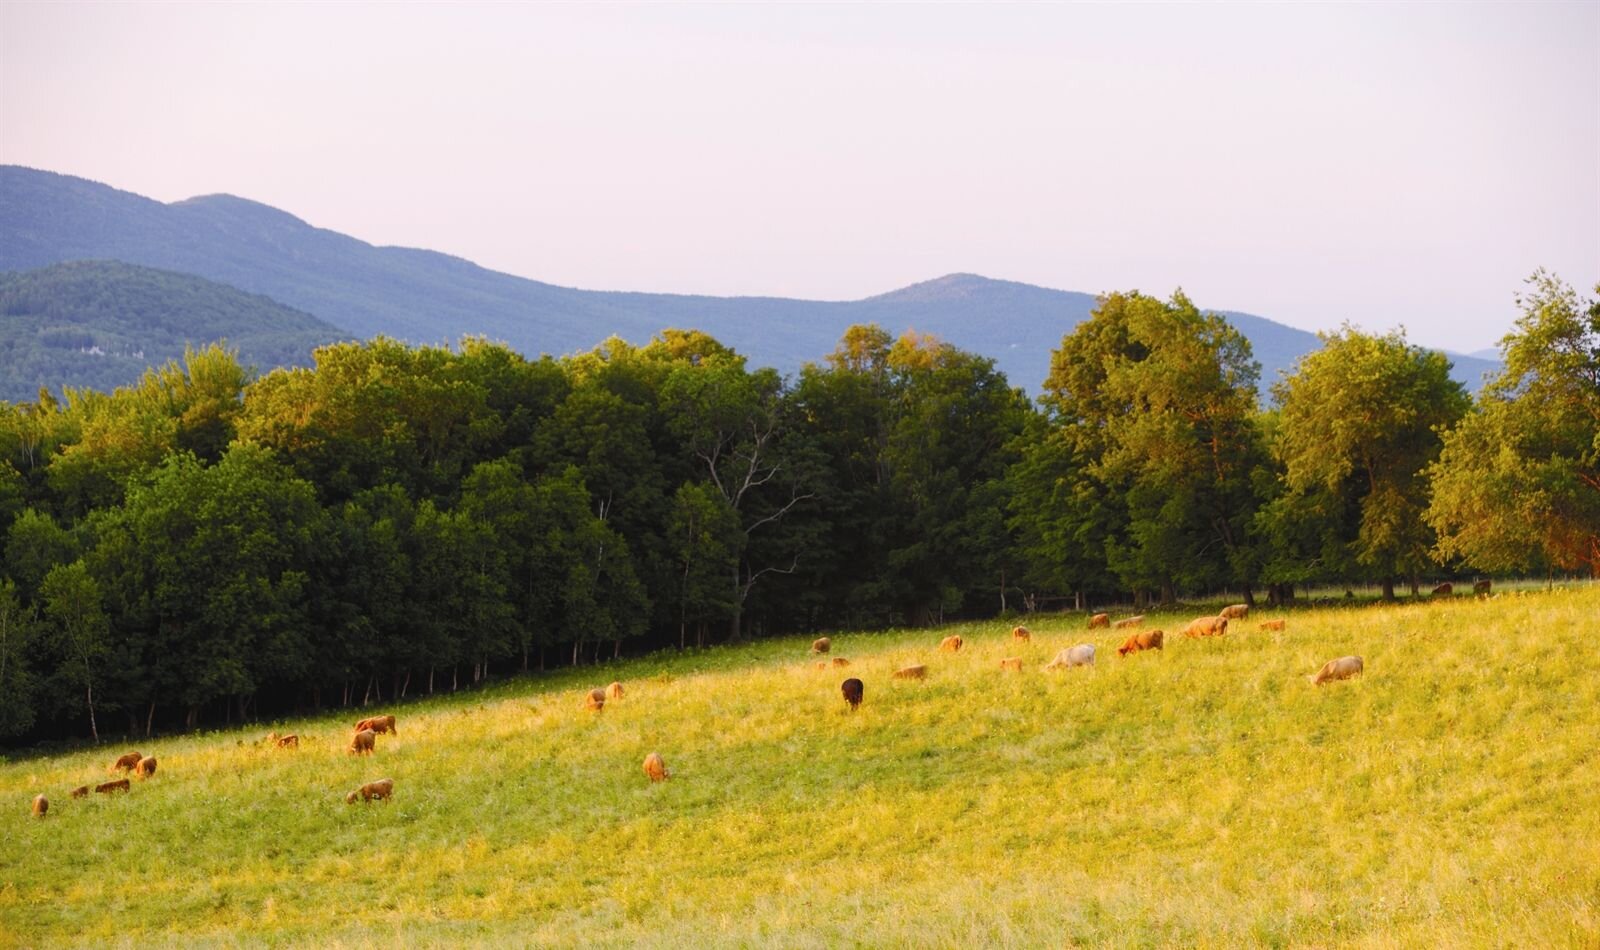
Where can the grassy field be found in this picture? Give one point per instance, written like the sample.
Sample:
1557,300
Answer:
1206,795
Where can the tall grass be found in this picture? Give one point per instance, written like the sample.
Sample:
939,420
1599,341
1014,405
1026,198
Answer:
1206,795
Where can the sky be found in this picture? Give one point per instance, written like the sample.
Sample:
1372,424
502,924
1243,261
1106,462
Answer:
1400,164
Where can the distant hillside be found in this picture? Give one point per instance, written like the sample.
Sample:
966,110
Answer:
99,324
427,297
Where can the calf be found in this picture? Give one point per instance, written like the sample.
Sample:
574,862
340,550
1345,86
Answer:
363,742
1099,620
852,690
1148,640
106,788
596,700
917,672
146,767
1012,663
82,791
821,645
289,742
840,661
1273,624
380,790
950,644
40,806
614,691
1021,633
1341,669
655,767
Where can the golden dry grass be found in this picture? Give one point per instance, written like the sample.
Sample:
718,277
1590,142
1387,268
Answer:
1205,795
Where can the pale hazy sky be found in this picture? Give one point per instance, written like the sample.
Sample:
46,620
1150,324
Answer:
1381,163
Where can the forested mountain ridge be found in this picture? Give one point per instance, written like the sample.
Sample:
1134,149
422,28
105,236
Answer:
428,297
100,324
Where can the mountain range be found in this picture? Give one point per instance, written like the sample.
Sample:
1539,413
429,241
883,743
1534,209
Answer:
427,297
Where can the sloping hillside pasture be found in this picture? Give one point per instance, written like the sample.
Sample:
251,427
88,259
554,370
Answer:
1203,795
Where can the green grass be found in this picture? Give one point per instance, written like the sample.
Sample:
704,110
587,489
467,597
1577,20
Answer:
1207,795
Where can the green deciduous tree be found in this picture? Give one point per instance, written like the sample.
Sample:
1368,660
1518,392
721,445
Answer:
73,607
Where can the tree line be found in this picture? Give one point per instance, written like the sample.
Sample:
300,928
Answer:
394,520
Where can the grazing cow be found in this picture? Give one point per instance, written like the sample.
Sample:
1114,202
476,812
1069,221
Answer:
614,691
1482,587
363,742
106,788
950,644
1129,621
1444,590
851,688
1021,633
1235,611
821,645
1099,620
1012,663
840,661
1273,624
289,742
126,762
596,700
916,672
1080,655
655,767
1148,640
1341,669
380,790
822,664
146,767
378,724
82,791
1206,627
40,806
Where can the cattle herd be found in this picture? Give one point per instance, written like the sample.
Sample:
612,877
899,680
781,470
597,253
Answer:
363,741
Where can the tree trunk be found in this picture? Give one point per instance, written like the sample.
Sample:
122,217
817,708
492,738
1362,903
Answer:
192,717
149,719
738,607
430,681
1249,595
1416,587
616,651
1388,588
1168,596
405,685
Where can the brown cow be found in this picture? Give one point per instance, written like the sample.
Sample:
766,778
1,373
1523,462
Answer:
1012,663
1099,620
40,806
380,790
614,691
1482,587
596,700
840,661
821,645
125,762
916,672
1148,640
289,742
1444,590
822,664
1235,611
1273,624
950,644
378,724
146,767
1129,621
1021,633
106,788
82,791
1206,627
852,690
655,767
1341,669
363,742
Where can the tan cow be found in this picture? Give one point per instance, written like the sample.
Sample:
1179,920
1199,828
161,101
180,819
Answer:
1099,620
1235,611
40,806
379,790
614,691
363,742
1021,633
146,767
1341,669
1133,621
1273,624
596,700
1206,627
1012,663
655,767
1148,640
916,672
950,644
